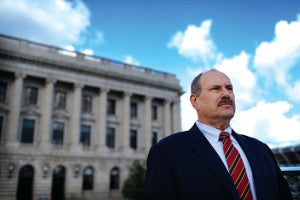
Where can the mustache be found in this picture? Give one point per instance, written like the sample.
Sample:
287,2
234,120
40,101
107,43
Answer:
225,101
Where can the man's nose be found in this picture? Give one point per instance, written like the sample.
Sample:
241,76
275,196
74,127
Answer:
226,92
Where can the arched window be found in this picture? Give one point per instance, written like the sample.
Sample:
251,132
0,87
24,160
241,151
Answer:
114,178
88,178
58,183
25,183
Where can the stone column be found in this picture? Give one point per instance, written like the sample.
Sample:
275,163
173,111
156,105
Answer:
101,118
167,118
125,126
147,124
15,99
45,128
176,122
75,118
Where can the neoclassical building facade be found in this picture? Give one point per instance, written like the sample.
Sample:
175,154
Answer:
71,125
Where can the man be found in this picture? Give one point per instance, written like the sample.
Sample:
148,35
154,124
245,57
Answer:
192,164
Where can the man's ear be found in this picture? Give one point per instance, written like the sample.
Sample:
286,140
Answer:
193,100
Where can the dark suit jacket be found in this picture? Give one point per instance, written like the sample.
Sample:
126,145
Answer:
184,166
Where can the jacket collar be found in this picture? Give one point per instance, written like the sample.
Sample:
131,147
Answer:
206,152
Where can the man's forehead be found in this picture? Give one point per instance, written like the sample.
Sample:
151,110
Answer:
215,78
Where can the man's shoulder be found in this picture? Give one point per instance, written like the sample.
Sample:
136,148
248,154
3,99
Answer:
174,136
249,140
173,139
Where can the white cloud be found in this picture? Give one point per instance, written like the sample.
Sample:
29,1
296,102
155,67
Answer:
268,122
243,80
195,43
294,91
274,59
55,22
188,114
88,52
273,122
69,48
131,60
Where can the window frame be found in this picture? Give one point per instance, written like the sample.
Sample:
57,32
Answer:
133,139
154,137
3,91
60,131
88,179
31,94
114,178
154,112
60,99
1,126
111,106
133,109
110,137
87,105
84,135
28,137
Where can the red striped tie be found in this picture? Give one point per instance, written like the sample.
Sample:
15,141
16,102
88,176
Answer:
236,167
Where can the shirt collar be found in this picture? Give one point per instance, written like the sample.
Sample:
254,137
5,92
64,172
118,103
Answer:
211,132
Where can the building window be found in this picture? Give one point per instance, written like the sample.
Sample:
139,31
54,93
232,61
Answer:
111,106
31,95
1,127
114,178
154,137
58,133
88,177
60,99
87,103
133,109
85,135
110,137
27,131
154,112
3,90
133,139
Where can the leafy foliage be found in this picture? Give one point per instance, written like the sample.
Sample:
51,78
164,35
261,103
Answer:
133,186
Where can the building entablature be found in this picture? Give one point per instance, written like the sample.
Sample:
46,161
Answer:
54,59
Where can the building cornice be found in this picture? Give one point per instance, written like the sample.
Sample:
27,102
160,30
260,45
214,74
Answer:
53,57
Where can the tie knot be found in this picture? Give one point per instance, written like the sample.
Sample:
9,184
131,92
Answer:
223,136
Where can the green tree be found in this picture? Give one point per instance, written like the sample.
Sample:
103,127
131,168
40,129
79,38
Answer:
133,185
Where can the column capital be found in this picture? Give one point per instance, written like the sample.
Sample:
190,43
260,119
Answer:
78,85
126,94
148,97
104,89
20,75
176,101
51,80
167,101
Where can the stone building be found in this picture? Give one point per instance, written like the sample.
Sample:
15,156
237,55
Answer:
71,124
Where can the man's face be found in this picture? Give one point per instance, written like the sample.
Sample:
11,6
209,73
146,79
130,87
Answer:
216,102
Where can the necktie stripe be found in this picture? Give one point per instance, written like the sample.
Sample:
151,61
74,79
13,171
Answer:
239,178
236,167
247,193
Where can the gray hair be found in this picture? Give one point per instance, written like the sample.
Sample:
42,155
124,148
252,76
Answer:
195,85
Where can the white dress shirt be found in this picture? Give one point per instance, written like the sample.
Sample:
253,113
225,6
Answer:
212,135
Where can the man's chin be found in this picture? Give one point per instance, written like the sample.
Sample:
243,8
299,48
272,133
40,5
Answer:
228,114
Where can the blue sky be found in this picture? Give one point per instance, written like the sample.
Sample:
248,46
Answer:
256,43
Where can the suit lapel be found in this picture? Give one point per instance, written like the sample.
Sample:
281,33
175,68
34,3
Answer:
256,164
207,153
